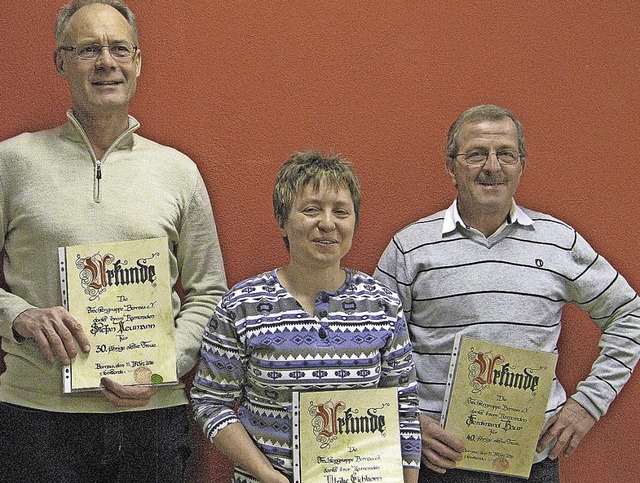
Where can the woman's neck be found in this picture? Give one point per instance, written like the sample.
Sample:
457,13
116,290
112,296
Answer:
305,285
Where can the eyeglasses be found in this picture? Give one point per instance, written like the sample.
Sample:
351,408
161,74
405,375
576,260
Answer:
118,50
479,158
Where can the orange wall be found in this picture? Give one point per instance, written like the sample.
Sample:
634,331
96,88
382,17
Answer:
240,85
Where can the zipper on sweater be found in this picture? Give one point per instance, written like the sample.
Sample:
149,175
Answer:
96,185
97,163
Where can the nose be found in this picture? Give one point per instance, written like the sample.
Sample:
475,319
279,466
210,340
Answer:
492,163
105,58
326,222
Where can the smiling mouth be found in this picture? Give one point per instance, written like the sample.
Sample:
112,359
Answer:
325,242
491,181
106,83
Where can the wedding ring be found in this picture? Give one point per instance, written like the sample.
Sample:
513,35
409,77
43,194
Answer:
50,334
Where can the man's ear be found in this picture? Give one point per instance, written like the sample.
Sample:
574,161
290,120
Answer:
138,61
58,60
451,169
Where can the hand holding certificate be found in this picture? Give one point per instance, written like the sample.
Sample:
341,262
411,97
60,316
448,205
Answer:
120,293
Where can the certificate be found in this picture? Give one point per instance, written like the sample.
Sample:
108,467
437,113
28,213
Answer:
495,402
347,436
121,294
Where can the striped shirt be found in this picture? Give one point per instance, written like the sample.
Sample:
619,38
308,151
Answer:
509,288
260,345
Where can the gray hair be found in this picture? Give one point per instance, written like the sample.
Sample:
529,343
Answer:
67,11
486,112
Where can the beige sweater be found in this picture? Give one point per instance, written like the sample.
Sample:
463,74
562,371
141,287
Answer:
53,192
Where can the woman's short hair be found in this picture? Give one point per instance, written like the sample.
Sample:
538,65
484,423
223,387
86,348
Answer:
312,167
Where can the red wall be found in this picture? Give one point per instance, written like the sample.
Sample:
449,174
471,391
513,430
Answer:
241,85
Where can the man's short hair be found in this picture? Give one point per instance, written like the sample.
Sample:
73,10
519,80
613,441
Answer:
312,167
485,112
67,11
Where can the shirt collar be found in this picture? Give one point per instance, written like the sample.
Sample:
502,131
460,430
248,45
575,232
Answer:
452,217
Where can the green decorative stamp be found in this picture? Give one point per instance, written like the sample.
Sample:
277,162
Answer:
156,379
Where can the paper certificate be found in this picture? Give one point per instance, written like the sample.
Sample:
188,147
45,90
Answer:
347,436
495,402
121,294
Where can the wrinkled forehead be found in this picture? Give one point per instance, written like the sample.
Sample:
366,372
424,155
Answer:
98,22
502,131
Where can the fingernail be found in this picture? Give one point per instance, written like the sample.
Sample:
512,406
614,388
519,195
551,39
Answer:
87,348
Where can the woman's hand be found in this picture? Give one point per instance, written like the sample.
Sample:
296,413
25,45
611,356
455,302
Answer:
236,444
274,477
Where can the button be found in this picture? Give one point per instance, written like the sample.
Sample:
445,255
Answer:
322,313
322,333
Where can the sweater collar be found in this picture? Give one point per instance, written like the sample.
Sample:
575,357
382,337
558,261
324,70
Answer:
74,131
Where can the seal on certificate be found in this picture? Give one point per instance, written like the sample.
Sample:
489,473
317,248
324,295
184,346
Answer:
501,464
142,375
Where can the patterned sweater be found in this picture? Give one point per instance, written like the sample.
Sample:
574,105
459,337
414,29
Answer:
260,345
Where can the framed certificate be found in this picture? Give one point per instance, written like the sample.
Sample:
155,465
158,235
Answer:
495,402
345,436
121,294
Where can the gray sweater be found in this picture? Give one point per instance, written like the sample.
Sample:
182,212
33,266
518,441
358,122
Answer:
509,288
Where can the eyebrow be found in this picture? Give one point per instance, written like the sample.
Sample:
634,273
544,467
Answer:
321,200
316,199
95,40
502,147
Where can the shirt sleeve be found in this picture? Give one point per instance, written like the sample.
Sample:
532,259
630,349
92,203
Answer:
615,308
201,275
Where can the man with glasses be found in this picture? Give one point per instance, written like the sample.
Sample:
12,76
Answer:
94,180
490,269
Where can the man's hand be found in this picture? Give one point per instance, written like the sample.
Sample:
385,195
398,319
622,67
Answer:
440,448
569,426
55,331
126,396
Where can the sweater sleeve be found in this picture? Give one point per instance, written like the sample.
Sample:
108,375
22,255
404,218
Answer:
398,370
615,308
10,305
201,275
391,270
220,376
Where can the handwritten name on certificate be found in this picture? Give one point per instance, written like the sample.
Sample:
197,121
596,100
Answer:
347,436
121,294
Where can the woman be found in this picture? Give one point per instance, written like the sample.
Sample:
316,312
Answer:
296,314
